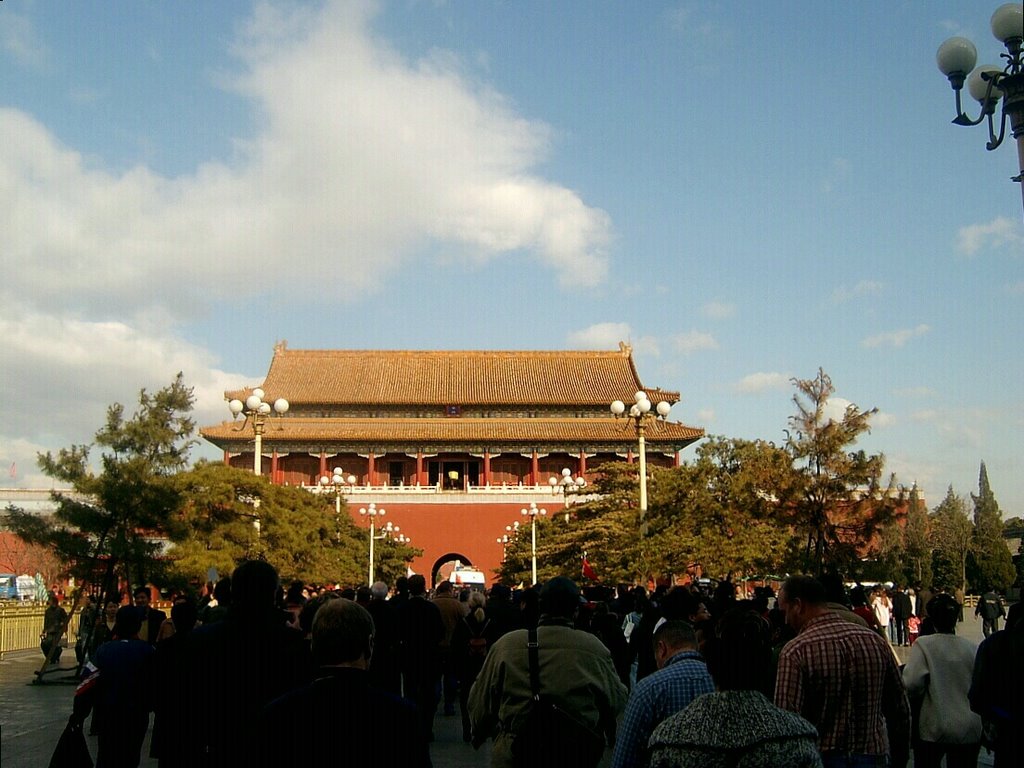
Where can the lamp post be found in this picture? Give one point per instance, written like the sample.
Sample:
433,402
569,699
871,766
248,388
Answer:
532,511
256,411
641,415
373,513
566,484
338,482
988,83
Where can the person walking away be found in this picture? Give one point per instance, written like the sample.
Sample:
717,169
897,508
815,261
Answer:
843,678
340,717
681,677
238,665
997,690
990,608
384,671
451,614
882,606
120,691
576,673
902,610
420,631
737,726
939,670
472,639
170,708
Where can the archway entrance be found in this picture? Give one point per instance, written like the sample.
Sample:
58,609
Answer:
445,565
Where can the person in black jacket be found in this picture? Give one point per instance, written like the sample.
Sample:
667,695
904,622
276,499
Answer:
238,665
340,717
902,610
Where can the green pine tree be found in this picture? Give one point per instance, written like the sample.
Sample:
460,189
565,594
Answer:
991,563
117,518
953,537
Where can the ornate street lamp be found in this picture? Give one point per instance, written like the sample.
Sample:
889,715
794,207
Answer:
642,416
988,83
566,484
372,513
257,412
532,511
338,482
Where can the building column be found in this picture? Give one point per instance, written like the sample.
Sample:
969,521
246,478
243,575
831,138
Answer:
421,480
323,465
629,456
369,468
678,459
534,469
273,468
487,469
583,464
227,458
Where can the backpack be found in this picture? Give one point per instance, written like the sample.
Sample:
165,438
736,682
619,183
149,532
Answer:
478,642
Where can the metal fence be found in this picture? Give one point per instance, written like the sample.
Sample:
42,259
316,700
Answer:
22,623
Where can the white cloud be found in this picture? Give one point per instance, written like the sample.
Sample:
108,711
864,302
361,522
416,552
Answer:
997,233
600,336
864,288
718,310
883,419
19,41
895,338
60,375
429,156
705,416
755,383
915,392
693,341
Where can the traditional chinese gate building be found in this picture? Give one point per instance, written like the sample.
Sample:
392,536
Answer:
452,444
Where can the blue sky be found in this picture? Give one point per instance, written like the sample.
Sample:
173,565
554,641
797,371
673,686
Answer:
743,191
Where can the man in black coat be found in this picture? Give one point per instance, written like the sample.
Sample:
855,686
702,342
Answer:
238,665
420,632
902,610
340,717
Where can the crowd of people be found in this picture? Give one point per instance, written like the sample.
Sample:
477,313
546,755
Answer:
677,678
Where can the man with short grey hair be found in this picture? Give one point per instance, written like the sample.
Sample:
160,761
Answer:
341,701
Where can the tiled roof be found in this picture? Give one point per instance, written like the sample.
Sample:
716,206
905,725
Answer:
455,430
364,377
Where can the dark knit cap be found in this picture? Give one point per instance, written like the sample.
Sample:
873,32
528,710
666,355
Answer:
559,597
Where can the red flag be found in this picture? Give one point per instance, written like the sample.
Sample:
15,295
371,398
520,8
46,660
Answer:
588,571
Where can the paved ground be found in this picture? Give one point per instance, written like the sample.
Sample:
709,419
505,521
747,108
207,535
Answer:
32,716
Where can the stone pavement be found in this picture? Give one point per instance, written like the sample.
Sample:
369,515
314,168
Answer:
33,716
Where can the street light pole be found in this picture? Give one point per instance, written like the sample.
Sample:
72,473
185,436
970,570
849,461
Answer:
338,481
988,83
256,412
532,512
373,513
641,415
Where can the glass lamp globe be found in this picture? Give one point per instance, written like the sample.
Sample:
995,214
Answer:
281,405
236,406
978,87
253,402
957,55
663,408
1008,22
618,407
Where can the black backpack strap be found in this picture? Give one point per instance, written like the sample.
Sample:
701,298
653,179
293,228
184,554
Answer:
533,647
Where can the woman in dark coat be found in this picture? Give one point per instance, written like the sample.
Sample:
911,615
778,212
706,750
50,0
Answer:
471,640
